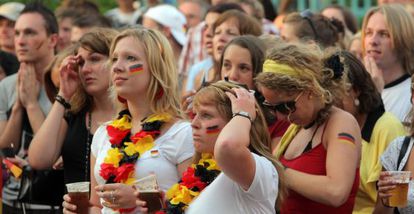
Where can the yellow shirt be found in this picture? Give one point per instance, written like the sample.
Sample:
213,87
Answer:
386,129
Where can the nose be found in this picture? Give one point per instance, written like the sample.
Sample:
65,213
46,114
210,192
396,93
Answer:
195,123
233,74
373,39
19,40
117,67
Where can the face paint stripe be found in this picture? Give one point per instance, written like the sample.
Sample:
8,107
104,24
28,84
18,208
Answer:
213,130
136,68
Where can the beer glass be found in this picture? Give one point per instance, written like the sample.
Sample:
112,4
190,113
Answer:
400,192
79,194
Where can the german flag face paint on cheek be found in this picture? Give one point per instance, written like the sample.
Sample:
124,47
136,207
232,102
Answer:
346,138
135,69
213,130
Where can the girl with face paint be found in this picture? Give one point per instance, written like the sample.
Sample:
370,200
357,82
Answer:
321,149
149,136
233,156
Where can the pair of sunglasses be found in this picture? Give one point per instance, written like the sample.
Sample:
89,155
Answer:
307,15
285,108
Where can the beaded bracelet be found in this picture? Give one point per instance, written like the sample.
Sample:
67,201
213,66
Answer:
62,101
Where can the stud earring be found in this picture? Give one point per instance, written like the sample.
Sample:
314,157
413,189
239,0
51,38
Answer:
356,102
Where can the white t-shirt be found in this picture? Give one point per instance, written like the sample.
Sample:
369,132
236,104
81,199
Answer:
226,196
174,147
389,160
397,97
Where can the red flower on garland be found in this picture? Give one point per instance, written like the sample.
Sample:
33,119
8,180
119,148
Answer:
115,135
107,170
123,171
190,181
143,134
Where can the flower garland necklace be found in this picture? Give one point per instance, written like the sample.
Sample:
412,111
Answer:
119,163
195,179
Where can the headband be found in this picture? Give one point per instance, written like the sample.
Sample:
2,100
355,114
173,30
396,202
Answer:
271,66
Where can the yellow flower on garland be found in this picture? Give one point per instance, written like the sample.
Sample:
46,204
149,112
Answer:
144,144
130,149
212,164
113,157
181,194
122,124
161,117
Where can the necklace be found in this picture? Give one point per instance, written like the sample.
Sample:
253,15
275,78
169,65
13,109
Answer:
310,125
88,143
119,163
194,180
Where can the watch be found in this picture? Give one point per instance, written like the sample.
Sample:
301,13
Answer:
243,114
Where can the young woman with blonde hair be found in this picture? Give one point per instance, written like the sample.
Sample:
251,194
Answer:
321,149
228,129
150,135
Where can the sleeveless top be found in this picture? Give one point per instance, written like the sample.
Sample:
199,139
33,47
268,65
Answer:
311,162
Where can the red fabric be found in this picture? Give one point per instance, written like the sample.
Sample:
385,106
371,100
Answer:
278,128
314,162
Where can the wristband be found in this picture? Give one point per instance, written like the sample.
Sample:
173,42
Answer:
243,114
62,101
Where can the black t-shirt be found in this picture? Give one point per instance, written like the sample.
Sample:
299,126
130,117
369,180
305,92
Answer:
74,153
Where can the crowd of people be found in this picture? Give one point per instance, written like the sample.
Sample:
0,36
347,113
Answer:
229,111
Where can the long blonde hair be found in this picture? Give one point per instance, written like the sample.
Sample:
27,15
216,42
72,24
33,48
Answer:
260,142
163,69
401,27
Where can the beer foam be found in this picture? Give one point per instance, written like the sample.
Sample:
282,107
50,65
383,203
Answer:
147,184
78,187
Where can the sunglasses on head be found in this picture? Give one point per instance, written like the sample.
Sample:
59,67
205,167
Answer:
286,108
307,15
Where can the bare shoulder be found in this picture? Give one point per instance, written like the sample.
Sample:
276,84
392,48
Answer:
343,123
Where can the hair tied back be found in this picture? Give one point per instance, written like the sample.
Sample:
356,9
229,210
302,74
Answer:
334,63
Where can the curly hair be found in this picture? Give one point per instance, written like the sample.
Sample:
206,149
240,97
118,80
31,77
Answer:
314,77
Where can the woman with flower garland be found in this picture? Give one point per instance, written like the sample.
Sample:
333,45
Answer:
228,129
149,136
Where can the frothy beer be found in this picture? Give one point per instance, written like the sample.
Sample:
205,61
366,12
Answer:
81,200
79,195
400,192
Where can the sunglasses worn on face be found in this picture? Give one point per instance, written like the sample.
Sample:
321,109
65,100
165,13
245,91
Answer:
307,15
284,107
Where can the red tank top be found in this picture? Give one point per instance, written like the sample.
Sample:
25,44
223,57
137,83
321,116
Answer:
314,162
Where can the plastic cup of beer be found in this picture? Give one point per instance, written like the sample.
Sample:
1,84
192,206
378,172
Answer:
79,195
400,192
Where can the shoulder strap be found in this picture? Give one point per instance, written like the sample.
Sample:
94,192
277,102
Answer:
403,150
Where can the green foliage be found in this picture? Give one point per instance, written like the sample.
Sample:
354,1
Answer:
104,5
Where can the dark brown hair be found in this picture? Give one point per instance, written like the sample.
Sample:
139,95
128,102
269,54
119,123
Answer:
361,81
326,34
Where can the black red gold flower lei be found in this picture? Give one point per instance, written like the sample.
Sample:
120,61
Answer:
194,180
119,163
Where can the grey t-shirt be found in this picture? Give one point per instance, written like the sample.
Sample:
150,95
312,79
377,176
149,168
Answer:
7,99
